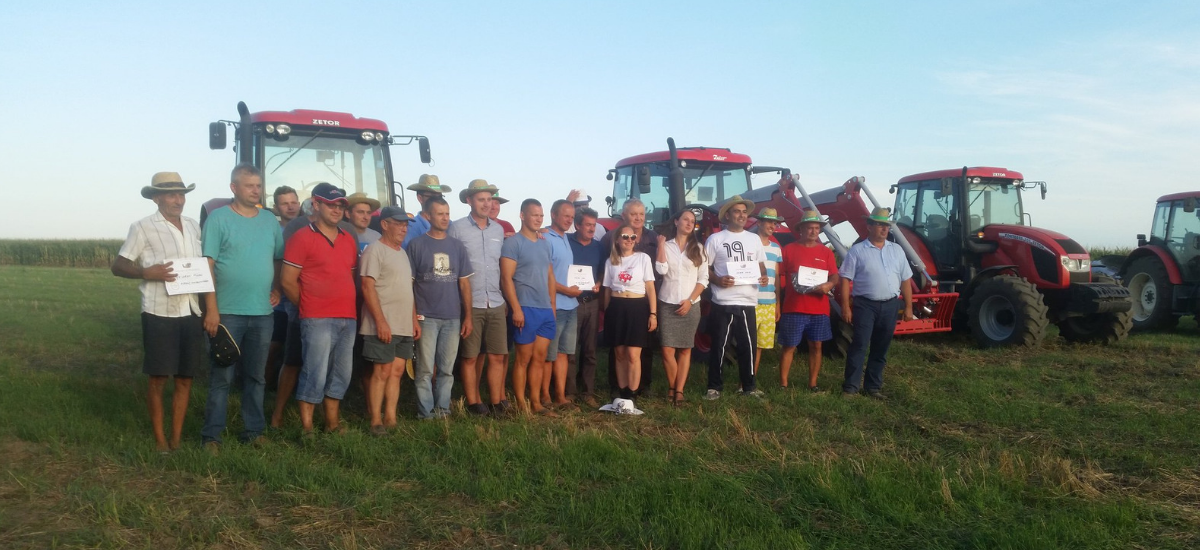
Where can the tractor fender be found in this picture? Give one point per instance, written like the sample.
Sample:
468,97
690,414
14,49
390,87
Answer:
1168,261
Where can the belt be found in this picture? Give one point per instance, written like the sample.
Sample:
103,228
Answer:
586,297
876,301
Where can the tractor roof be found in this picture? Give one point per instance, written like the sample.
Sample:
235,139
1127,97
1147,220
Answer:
689,153
1180,196
305,117
976,171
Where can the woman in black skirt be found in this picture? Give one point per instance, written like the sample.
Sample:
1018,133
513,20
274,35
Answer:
684,269
630,308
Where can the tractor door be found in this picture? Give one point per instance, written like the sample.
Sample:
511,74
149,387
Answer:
932,214
1182,236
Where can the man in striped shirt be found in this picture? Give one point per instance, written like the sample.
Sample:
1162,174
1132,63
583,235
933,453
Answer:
172,331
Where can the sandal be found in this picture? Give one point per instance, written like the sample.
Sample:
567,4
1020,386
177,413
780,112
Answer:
678,401
670,395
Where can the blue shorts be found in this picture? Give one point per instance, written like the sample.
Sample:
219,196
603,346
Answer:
795,327
539,321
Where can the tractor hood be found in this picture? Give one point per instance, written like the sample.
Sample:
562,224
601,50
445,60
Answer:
1044,239
1048,259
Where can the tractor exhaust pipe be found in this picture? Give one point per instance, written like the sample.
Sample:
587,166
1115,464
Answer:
675,180
245,133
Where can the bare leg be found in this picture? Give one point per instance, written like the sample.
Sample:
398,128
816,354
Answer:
497,371
470,378
547,371
785,365
684,360
622,359
391,393
814,362
154,403
179,405
378,386
537,370
331,413
521,373
560,378
306,415
669,365
634,363
287,384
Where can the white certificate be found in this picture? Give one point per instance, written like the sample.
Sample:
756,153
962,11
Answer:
191,276
810,277
743,273
581,276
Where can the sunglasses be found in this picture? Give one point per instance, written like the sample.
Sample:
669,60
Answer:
629,237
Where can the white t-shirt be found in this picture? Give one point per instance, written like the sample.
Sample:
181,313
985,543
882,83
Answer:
724,247
631,276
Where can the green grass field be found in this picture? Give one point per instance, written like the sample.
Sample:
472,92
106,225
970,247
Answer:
1060,447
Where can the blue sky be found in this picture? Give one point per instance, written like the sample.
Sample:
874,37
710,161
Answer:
1100,99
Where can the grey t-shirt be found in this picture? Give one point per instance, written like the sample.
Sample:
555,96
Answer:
532,277
437,265
393,283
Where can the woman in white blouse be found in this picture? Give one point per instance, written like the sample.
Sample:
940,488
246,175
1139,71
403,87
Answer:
684,268
629,307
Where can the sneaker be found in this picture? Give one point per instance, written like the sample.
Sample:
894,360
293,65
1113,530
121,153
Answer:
503,408
815,389
757,394
441,413
213,448
849,393
712,395
478,409
378,430
877,395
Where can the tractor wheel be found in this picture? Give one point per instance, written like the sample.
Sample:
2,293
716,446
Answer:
1007,311
843,334
1103,328
1151,291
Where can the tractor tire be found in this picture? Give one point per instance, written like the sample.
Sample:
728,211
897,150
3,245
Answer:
1152,292
1008,311
843,334
1103,328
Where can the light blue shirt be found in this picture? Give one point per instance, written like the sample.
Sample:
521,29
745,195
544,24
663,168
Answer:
483,248
561,257
533,265
417,227
876,272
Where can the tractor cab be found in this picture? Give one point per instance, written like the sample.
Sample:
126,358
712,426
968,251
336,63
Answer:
710,176
949,209
1176,228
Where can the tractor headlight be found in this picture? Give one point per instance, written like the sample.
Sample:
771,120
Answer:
368,135
378,136
283,129
270,128
1076,264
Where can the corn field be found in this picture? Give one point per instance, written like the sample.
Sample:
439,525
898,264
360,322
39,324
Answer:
59,253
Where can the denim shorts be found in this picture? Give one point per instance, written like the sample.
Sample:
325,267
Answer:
565,334
539,321
328,359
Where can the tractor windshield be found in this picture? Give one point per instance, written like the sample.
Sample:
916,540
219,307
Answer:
310,157
992,201
706,183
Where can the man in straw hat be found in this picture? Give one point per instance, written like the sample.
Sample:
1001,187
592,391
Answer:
737,270
244,246
483,239
358,214
172,331
426,188
494,214
766,312
807,274
881,275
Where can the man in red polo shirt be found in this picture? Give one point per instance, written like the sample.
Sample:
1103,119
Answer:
318,274
805,276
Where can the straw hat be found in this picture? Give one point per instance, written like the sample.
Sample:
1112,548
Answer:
362,198
880,215
166,182
476,186
735,200
429,184
769,214
812,216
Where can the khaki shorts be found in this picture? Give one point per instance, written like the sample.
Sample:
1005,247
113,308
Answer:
489,333
375,351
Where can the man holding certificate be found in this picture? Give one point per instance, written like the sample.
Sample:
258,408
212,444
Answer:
155,252
562,216
736,272
806,275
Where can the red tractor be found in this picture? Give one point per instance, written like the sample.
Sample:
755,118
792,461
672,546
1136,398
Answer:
1163,272
302,148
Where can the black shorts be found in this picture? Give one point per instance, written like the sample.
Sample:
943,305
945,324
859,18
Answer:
174,346
279,333
293,346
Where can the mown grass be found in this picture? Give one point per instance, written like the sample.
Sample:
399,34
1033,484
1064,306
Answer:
1062,447
59,253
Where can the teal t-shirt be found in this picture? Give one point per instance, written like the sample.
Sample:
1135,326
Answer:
245,250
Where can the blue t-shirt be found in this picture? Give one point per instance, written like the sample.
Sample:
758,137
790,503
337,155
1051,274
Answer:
245,251
592,254
561,258
533,269
437,265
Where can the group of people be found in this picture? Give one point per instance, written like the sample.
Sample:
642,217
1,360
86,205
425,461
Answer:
338,280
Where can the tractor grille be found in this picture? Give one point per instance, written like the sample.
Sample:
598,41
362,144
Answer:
1081,277
1071,246
1047,264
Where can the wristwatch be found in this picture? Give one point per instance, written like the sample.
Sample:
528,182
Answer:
696,301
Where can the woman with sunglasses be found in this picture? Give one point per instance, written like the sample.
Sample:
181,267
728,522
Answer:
630,308
684,268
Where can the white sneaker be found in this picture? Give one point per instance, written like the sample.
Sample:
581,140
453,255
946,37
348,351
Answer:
712,395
